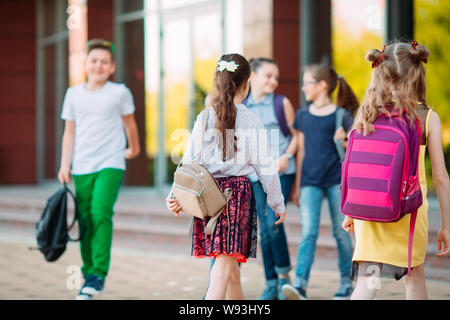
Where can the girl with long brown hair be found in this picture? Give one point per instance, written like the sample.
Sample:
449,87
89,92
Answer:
398,83
319,172
230,151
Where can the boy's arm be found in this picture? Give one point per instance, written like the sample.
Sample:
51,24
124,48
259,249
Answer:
68,142
131,131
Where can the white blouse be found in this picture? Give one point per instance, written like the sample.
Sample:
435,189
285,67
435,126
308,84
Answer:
253,154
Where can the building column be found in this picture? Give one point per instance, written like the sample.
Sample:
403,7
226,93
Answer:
286,48
18,145
100,19
399,20
315,33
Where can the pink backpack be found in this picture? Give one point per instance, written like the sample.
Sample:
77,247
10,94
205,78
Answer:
379,180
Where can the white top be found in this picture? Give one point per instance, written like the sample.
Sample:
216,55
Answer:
253,154
100,140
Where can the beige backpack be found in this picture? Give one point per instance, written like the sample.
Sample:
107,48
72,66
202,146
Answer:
197,190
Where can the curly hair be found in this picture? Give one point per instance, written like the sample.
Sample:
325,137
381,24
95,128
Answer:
397,82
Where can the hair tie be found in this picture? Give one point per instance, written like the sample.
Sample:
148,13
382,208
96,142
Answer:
227,65
414,44
377,61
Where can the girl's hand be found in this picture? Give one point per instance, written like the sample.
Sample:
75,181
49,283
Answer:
296,196
339,134
282,163
442,242
348,224
64,175
282,217
173,205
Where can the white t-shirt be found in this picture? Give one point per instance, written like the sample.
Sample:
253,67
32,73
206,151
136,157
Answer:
100,140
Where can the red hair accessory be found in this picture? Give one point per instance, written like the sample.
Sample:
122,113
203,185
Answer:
377,62
414,44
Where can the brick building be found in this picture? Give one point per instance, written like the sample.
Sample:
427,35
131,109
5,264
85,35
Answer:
41,41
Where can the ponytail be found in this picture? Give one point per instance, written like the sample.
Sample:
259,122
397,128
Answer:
346,98
227,81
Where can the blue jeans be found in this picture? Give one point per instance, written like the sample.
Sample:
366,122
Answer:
273,240
311,198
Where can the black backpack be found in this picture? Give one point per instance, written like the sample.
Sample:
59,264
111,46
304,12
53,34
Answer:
52,232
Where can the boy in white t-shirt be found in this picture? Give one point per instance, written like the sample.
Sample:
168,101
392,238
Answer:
97,114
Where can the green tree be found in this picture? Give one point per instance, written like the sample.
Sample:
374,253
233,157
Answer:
432,27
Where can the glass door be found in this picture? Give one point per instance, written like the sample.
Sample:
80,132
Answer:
183,43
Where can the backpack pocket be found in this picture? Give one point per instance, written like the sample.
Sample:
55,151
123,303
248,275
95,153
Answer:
189,200
412,199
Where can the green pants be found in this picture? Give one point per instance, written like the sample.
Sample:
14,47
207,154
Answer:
96,195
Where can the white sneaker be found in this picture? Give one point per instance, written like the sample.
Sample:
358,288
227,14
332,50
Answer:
293,293
83,296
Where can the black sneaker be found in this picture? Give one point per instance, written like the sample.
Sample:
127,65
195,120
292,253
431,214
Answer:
94,286
343,293
294,293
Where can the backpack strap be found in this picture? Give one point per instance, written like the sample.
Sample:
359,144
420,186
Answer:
77,216
204,116
212,223
339,120
412,226
426,125
280,114
211,226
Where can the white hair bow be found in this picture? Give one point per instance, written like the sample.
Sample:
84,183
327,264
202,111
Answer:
229,65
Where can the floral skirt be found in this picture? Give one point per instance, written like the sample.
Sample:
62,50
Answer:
236,231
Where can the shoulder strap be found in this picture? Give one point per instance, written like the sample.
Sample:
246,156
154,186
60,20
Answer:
339,117
412,225
77,216
211,226
280,114
204,116
426,124
339,120
204,119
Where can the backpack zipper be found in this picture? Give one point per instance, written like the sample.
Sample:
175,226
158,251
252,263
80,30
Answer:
192,175
405,172
189,190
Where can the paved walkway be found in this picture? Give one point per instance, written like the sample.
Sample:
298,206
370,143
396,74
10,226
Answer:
139,271
148,275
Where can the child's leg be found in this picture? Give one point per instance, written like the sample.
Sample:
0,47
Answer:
234,290
369,274
343,240
415,284
106,190
265,226
310,205
220,276
84,185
